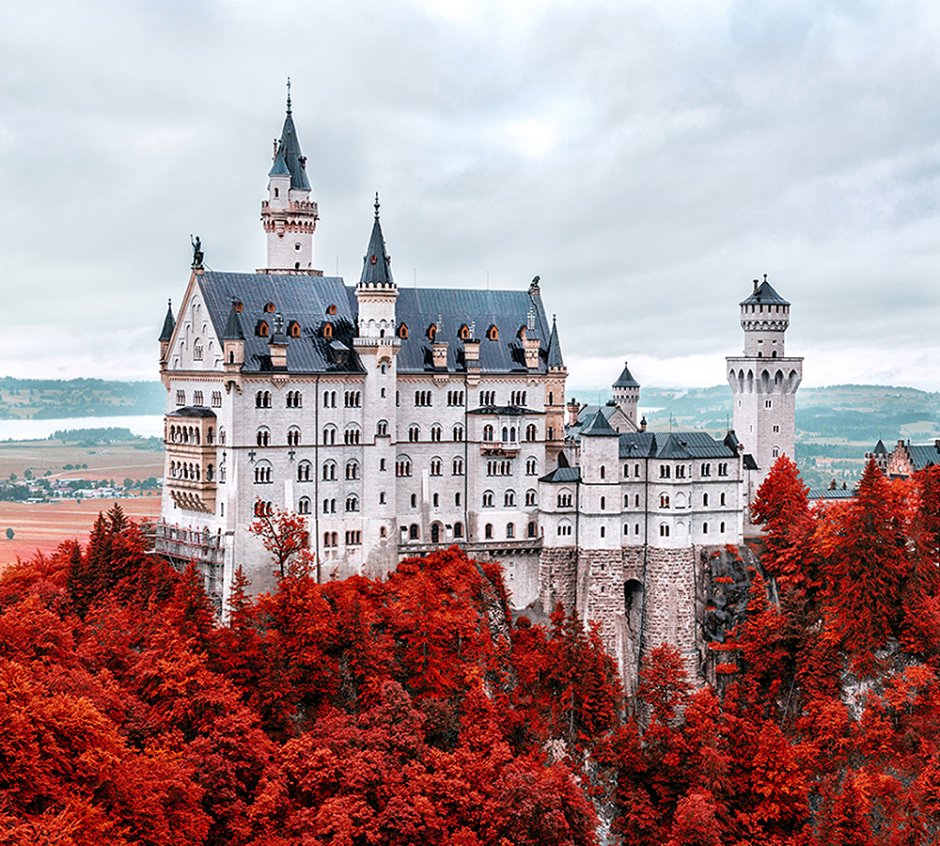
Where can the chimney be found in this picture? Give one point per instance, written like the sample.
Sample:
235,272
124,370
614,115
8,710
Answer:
643,424
531,348
471,349
756,282
439,355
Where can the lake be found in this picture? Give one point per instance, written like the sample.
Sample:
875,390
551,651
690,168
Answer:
145,425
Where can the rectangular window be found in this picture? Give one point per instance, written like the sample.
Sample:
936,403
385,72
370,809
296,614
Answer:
216,399
197,398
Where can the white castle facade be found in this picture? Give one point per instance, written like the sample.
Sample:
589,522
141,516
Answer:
398,420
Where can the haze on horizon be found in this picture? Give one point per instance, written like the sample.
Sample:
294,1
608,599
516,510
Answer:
647,160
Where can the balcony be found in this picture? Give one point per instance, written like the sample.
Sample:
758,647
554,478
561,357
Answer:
508,448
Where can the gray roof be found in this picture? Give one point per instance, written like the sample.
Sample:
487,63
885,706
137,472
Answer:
376,263
169,324
505,410
673,445
192,411
599,427
563,472
764,294
626,379
586,414
825,493
923,455
555,361
306,299
289,158
507,311
233,326
880,448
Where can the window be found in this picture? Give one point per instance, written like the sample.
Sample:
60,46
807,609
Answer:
263,473
263,509
403,466
403,332
436,433
488,531
328,330
492,334
680,471
530,432
329,399
603,471
352,470
564,499
721,527
303,506
776,428
457,499
706,469
216,399
352,399
435,500
381,428
353,537
181,397
457,467
458,432
293,436
263,437
664,501
263,399
329,539
531,498
329,506
351,435
414,433
295,399
458,530
722,500
509,499
665,471
488,433
705,500
423,399
603,503
487,397
293,329
532,530
304,469
723,469
775,452
329,471
663,530
531,467
352,503
197,398
413,531
261,330
436,467
768,403
704,528
455,398
510,530
414,500
381,465
488,499
636,470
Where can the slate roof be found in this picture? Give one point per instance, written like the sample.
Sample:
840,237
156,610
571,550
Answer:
169,323
626,380
508,311
233,326
825,493
599,427
192,411
923,455
289,158
765,295
504,410
880,448
297,297
306,299
563,472
586,414
673,445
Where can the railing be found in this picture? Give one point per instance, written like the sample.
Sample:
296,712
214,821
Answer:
180,545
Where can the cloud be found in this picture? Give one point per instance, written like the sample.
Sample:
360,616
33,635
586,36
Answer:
647,160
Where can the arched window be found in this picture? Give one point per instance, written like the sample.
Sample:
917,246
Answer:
270,308
509,499
263,437
403,331
664,500
293,436
488,531
531,467
329,435
458,432
328,331
532,530
303,505
432,331
329,471
293,329
331,309
663,530
436,466
414,433
488,499
530,432
464,332
510,530
263,473
492,334
488,433
351,435
381,428
458,530
352,470
352,503
262,329
436,432
402,466
413,531
458,466
304,471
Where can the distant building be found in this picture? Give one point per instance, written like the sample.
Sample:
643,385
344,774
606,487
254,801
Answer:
906,458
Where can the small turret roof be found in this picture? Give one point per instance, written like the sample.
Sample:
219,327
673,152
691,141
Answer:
376,263
599,427
169,323
764,294
626,379
233,326
289,158
555,359
880,448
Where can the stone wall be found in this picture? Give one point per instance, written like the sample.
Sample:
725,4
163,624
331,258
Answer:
558,574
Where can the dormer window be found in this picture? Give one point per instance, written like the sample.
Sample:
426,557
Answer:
293,329
262,329
331,309
464,333
492,334
239,306
403,331
328,330
269,308
432,332
521,333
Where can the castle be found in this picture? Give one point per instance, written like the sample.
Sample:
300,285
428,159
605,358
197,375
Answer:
399,420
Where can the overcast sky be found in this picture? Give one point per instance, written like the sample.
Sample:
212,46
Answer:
646,159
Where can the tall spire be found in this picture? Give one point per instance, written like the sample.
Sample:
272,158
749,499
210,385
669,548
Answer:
288,95
554,348
376,264
289,158
169,323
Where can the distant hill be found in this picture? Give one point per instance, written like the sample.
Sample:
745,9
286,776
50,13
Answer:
28,399
835,425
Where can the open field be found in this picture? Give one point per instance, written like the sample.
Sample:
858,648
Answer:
111,461
45,525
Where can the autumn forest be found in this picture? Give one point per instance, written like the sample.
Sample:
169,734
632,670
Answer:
420,710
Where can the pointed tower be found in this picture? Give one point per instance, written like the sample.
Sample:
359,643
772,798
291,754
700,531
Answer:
626,391
555,395
166,334
764,382
288,215
377,345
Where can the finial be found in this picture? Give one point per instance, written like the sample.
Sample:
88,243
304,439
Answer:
765,277
288,95
278,323
169,303
553,320
376,205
